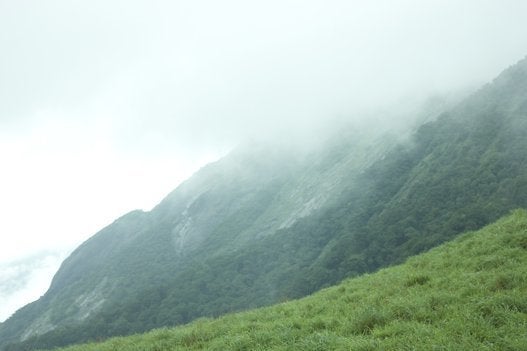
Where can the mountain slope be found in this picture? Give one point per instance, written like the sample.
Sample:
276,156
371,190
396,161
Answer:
269,224
457,173
172,264
468,294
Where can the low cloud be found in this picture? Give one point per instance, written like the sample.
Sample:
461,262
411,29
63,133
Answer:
208,72
25,280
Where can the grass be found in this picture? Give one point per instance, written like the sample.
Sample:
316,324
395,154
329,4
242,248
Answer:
469,294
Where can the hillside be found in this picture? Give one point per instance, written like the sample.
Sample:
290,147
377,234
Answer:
468,294
272,223
172,264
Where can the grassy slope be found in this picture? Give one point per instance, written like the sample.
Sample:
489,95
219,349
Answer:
469,294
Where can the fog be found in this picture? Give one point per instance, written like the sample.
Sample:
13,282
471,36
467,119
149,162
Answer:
24,280
105,106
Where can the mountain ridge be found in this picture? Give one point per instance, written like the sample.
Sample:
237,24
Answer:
265,225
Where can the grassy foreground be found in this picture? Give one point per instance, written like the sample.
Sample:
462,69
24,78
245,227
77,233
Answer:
469,294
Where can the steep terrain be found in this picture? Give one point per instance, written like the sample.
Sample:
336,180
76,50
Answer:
189,256
267,224
457,173
468,294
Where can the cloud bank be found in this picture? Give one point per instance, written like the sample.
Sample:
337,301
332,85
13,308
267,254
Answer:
25,280
207,72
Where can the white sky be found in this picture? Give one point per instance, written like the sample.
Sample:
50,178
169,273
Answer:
105,106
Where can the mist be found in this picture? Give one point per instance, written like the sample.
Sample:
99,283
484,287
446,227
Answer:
206,73
26,279
109,105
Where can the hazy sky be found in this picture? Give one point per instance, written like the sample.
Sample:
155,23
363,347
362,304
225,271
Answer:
105,106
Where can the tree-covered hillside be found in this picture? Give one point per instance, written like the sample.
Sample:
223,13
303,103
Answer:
457,173
265,225
468,294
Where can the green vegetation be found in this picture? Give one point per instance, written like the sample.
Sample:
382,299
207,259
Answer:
469,294
267,225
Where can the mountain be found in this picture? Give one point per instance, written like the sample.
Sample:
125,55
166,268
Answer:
189,247
271,223
468,294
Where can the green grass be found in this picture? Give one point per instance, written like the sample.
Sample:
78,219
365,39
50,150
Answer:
469,294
